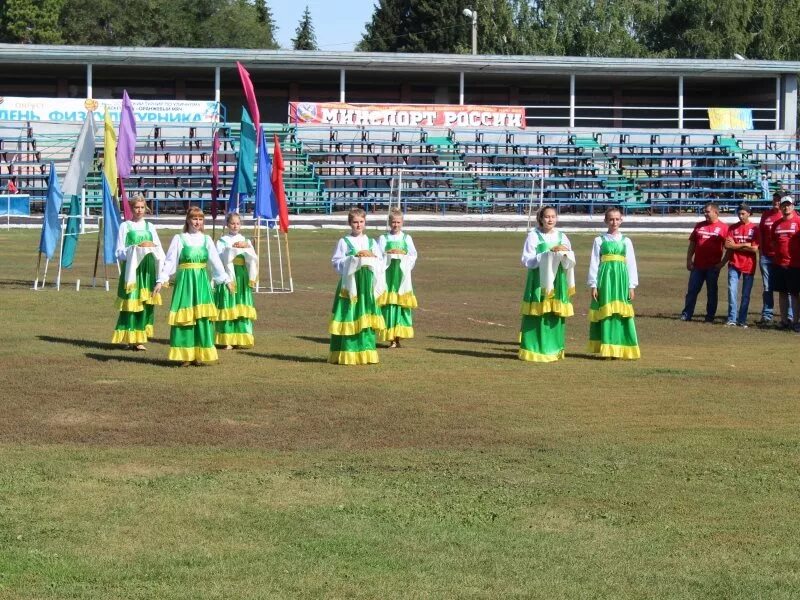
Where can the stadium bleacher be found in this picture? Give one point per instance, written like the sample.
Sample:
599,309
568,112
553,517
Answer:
331,168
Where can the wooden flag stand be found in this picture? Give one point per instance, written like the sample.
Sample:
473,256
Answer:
278,278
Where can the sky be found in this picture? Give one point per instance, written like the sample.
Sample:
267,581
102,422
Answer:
338,24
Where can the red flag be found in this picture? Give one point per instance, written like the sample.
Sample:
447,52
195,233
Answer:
277,187
127,211
250,94
214,175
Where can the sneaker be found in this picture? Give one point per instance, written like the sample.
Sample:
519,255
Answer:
764,322
783,326
685,318
797,327
708,320
730,324
743,325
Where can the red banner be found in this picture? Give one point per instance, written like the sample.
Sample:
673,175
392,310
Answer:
407,115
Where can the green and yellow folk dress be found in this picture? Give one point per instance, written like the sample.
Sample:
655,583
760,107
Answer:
356,314
399,299
612,270
192,311
544,312
236,310
135,299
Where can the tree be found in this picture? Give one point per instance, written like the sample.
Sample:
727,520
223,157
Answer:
30,21
304,34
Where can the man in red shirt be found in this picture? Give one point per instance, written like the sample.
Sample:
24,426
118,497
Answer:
766,253
784,274
703,261
741,247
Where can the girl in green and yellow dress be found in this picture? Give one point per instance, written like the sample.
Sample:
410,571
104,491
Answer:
612,279
546,303
140,254
356,314
399,300
192,310
234,326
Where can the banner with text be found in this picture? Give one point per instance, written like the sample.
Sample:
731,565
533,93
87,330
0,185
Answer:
407,115
73,110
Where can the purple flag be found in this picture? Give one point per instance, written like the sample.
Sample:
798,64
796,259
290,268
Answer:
126,147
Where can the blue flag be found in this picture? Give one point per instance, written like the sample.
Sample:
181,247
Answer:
71,233
50,225
266,204
110,224
233,199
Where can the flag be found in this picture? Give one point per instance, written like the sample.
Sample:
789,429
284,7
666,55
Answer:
245,163
233,199
266,203
214,175
250,95
123,197
71,233
110,224
127,138
82,159
110,153
126,149
277,186
50,226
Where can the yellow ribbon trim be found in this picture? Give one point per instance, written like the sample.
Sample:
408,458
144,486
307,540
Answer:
614,350
244,340
132,336
193,354
240,311
363,357
530,356
401,331
192,266
551,305
617,307
375,322
133,306
145,295
612,258
407,300
190,314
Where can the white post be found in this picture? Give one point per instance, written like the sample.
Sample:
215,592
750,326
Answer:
680,102
216,85
60,253
83,210
269,261
89,80
777,102
341,86
400,189
461,88
572,101
280,255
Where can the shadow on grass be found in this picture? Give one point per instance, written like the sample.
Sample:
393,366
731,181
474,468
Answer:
289,357
81,343
586,356
141,360
473,340
17,283
472,353
316,340
677,317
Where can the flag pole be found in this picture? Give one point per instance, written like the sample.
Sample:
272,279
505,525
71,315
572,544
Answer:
280,255
60,253
258,250
269,263
97,249
288,261
38,266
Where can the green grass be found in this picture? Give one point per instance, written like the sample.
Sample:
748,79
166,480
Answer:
450,470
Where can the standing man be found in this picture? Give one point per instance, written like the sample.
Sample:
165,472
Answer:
704,260
766,254
784,274
741,248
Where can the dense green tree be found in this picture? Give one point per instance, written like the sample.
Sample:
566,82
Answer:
304,38
30,21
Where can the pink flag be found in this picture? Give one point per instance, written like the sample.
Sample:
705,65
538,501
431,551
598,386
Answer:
126,150
250,95
277,187
127,211
214,175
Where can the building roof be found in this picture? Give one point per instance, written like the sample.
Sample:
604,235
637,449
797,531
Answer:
257,60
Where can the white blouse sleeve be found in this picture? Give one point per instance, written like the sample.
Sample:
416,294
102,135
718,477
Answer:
530,259
121,248
594,262
339,258
220,245
171,261
565,241
630,260
382,239
412,251
377,250
217,268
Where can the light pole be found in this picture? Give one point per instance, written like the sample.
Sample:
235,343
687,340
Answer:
473,14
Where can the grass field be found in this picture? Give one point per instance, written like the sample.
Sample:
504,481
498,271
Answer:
450,470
